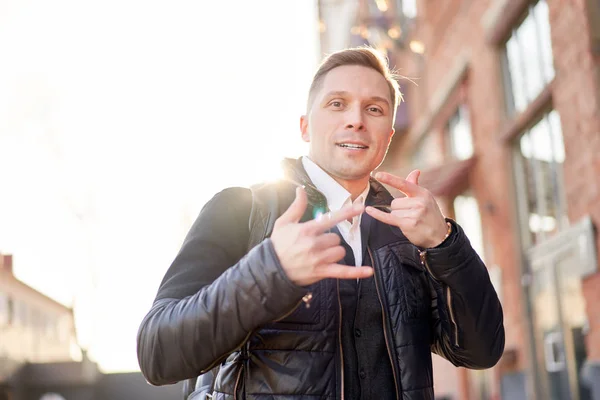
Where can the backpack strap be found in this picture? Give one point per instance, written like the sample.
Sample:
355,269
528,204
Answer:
263,214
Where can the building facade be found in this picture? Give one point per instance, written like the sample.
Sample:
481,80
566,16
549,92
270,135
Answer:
502,115
33,328
39,354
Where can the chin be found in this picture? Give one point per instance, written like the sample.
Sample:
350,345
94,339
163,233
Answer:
353,173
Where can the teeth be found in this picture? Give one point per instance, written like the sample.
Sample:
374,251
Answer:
352,146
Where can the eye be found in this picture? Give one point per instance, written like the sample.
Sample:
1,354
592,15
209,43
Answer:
376,110
336,104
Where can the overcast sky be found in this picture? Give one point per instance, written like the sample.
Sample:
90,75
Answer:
118,120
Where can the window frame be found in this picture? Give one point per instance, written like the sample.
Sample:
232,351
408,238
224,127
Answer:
449,152
522,194
508,92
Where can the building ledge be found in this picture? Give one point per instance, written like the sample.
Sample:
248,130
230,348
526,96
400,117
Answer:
449,179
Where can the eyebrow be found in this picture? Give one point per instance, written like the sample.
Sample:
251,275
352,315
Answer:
344,93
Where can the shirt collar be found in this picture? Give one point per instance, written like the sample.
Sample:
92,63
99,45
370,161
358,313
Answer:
335,193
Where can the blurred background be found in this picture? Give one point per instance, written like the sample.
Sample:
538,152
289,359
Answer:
120,119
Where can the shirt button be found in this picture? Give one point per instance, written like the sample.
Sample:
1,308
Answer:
357,332
362,374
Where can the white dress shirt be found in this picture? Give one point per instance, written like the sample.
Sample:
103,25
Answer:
337,198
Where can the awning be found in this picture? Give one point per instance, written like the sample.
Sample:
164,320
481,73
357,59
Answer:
449,179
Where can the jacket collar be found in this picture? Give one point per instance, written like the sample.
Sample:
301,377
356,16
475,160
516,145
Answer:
295,173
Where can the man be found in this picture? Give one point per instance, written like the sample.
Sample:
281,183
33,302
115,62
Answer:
347,304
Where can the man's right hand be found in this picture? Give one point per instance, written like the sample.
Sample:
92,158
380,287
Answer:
306,252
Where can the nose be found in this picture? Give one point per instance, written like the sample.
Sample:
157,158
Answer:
354,120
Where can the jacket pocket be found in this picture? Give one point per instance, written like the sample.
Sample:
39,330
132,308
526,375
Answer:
305,312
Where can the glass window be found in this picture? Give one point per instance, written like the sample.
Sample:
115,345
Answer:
528,61
4,309
36,319
51,328
64,329
20,313
466,211
52,396
407,8
541,155
459,131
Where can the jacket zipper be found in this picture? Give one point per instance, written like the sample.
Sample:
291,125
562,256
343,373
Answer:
455,325
340,340
423,256
384,320
306,299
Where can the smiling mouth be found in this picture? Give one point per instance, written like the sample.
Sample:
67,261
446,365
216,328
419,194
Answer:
352,146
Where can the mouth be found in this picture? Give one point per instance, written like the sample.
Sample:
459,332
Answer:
352,146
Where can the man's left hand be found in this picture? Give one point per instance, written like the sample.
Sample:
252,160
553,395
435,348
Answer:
417,215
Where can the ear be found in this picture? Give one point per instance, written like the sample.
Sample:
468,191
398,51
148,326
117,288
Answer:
304,128
391,135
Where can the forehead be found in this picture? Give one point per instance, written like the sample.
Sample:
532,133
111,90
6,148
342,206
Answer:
357,80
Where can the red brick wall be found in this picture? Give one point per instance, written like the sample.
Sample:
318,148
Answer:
491,179
450,30
577,101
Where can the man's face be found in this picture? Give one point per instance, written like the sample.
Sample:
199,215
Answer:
349,125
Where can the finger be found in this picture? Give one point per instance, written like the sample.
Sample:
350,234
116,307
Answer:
400,215
384,217
408,188
331,255
296,210
343,272
329,220
413,177
406,203
327,240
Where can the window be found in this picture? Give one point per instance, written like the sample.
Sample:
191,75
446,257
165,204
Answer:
20,310
51,328
5,309
459,132
466,211
407,8
45,324
52,396
528,62
540,155
64,329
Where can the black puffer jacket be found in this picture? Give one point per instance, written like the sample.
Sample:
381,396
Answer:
219,305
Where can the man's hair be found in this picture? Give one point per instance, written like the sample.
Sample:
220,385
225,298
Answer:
362,56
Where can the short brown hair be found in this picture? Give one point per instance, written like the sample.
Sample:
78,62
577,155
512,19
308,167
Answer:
363,56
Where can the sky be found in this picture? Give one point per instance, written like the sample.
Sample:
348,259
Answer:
118,120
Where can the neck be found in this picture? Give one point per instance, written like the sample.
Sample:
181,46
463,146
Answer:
355,187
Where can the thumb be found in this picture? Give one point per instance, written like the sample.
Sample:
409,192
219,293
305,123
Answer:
296,210
413,177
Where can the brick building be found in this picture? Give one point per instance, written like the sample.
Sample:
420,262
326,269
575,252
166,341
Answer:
503,119
33,328
38,349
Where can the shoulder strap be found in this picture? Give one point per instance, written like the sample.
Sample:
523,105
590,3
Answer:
263,214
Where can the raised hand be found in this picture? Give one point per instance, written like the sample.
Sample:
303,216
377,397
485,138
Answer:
306,252
417,215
